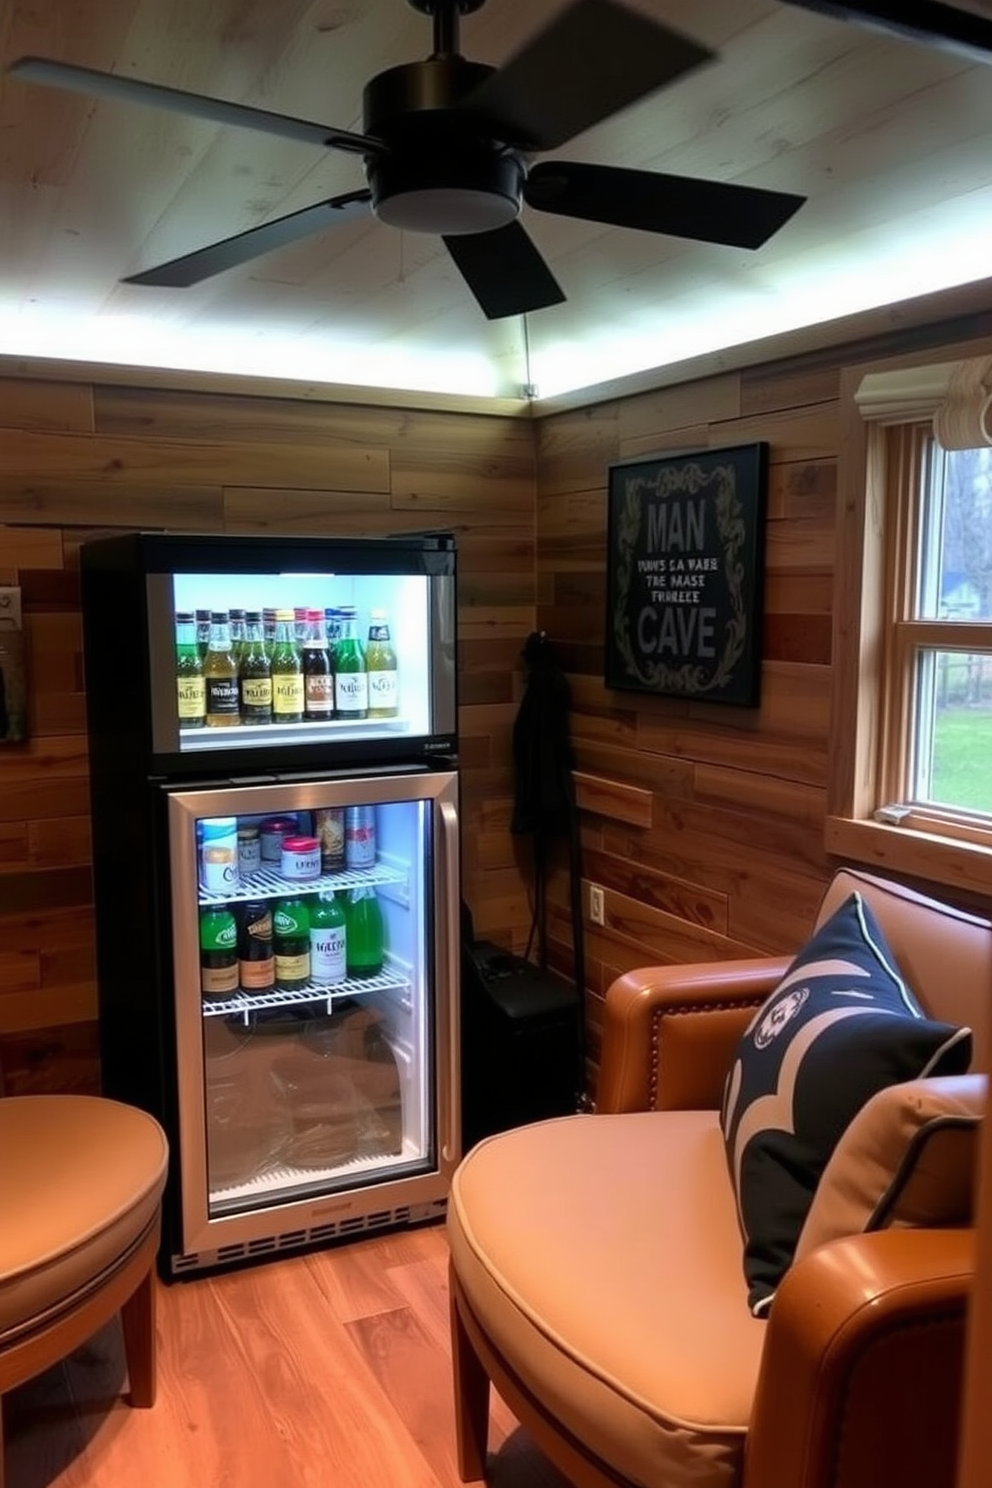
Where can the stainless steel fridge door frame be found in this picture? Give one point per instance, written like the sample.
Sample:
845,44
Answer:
201,1231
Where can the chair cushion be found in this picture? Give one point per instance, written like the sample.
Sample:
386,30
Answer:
81,1179
840,1025
602,1257
906,1161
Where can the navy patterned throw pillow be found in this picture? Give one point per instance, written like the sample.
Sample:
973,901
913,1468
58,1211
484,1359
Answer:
840,1025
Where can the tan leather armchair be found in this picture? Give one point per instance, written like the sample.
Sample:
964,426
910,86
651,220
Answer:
596,1262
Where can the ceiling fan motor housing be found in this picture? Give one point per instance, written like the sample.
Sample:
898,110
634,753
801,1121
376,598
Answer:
444,173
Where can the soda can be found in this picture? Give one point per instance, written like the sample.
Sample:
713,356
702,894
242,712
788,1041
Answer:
359,836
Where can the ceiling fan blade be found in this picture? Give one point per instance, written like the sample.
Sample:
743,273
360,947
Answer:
680,206
504,271
180,273
69,77
929,21
595,58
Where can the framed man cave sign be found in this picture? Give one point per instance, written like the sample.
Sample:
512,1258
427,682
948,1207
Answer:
685,556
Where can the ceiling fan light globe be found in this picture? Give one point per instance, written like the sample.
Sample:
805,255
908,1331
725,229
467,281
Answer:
448,210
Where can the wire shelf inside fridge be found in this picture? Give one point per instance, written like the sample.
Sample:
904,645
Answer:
390,979
268,883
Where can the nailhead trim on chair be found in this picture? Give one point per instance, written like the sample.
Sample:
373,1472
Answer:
660,1014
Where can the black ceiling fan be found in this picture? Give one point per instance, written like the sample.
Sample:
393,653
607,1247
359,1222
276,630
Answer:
446,148
930,21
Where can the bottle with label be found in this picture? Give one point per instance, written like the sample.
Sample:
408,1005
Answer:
351,688
255,673
190,686
218,952
380,661
203,632
220,672
365,933
291,938
318,673
287,673
256,954
328,939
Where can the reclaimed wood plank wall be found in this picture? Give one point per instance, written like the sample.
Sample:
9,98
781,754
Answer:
79,458
702,823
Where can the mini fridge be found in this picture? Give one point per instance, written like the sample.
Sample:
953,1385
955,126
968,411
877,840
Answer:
277,898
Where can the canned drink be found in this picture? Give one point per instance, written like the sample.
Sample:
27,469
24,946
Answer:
359,836
219,854
328,823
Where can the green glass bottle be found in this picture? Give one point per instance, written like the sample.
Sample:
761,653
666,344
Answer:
351,682
287,673
291,943
190,686
255,674
328,939
218,952
365,933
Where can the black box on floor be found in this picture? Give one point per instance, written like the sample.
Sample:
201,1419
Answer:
520,1042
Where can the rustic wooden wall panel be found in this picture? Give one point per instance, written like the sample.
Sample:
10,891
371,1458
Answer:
731,860
78,459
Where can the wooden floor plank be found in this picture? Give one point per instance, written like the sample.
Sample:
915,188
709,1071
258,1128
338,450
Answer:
331,1368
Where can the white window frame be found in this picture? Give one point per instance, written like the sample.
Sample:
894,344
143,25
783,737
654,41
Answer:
868,739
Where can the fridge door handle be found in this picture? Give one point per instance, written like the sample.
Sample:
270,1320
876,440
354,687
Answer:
450,1098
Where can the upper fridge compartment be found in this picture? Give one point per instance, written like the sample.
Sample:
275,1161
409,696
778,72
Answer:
259,652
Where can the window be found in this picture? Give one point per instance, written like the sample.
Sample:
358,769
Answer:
939,676
912,740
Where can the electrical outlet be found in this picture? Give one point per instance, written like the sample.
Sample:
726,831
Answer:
597,911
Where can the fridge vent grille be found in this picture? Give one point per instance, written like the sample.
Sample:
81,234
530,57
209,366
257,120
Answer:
295,1239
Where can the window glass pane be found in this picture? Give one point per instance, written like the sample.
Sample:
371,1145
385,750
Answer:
953,734
955,572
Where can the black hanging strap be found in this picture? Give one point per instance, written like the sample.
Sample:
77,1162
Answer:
544,799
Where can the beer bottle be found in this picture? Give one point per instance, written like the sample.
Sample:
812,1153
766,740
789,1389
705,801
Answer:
291,943
256,956
328,939
255,674
238,634
203,632
318,676
218,952
365,938
351,690
380,660
220,671
287,673
190,686
269,631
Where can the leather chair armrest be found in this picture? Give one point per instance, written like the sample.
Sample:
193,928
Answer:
863,1362
669,1032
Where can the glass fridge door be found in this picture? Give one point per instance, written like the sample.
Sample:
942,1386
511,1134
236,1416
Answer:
313,938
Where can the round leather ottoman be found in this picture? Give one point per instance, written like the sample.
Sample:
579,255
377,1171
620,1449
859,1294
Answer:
81,1182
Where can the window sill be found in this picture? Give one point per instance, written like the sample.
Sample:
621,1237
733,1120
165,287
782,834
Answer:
943,860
